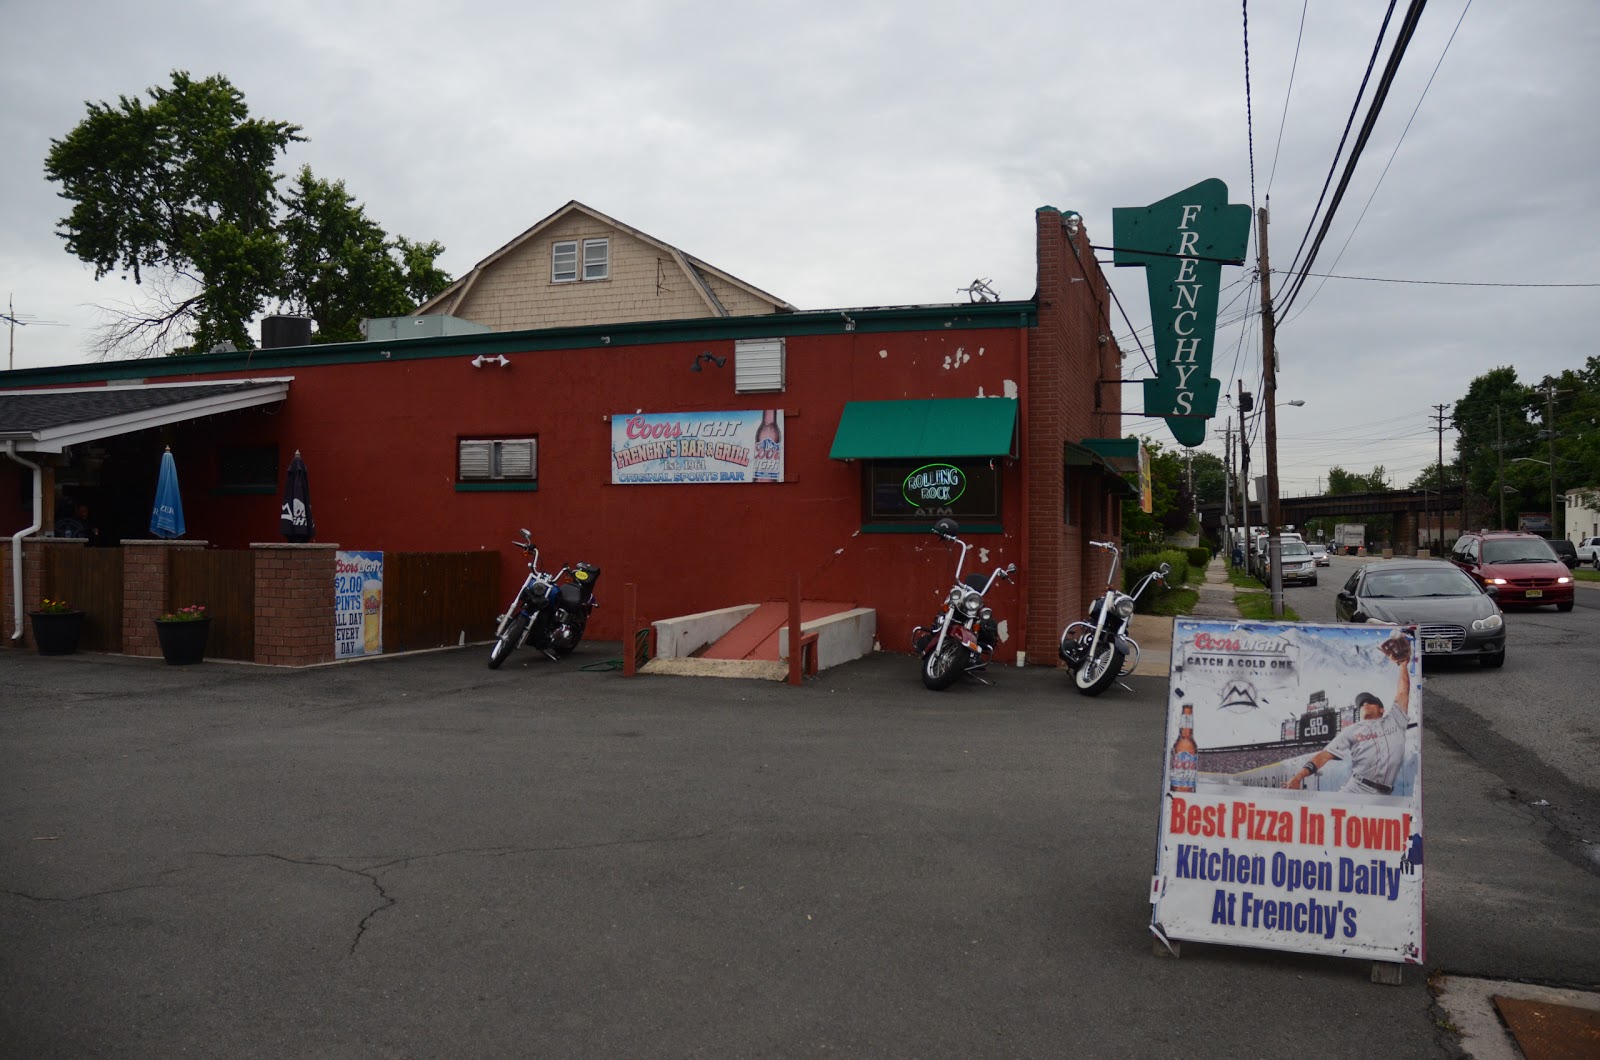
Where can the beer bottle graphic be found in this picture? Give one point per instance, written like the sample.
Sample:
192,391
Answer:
1185,755
769,448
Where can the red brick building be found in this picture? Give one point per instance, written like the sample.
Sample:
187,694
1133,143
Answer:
1021,395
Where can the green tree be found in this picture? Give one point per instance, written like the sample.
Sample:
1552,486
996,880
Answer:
1210,477
341,267
1172,505
181,194
1492,422
182,187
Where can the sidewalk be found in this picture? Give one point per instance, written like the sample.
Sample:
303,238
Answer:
1154,632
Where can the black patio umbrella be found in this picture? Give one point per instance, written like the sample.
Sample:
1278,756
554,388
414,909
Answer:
295,522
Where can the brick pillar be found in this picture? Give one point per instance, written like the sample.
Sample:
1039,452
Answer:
145,567
294,603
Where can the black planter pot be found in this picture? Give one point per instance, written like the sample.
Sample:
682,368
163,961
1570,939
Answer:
57,633
183,643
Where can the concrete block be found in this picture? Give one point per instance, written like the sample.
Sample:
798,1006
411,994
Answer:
841,637
679,638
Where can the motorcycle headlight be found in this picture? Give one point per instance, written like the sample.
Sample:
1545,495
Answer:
971,603
1492,622
1123,607
954,600
986,614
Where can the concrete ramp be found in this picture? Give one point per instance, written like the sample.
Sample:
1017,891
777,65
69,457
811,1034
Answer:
756,636
752,640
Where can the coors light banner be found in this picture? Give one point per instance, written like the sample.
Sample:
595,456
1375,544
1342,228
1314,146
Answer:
1291,801
677,447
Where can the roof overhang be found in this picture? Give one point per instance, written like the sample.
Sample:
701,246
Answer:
104,411
937,427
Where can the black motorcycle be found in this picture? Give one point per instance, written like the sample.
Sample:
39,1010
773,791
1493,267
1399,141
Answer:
549,613
963,638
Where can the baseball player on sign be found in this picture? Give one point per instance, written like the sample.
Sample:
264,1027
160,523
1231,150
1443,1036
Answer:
1375,745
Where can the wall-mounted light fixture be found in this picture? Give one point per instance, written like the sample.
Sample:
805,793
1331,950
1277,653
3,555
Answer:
704,357
479,361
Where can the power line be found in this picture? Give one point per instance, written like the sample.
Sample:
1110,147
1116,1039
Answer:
1408,28
1441,283
1249,118
1282,121
1392,156
1333,167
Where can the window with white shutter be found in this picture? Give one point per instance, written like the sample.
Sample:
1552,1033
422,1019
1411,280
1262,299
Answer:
497,463
758,366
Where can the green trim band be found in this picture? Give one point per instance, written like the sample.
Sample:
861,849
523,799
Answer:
958,317
497,487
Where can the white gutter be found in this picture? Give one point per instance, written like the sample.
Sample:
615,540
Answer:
16,538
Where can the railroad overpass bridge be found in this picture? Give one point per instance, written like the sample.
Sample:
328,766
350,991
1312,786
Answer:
1413,510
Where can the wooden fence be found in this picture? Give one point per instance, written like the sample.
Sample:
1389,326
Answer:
90,579
225,582
430,599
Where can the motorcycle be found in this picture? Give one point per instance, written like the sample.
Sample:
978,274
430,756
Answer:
1097,649
548,613
962,639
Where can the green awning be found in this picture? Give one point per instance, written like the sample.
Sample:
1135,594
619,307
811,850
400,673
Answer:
1120,453
1088,453
937,427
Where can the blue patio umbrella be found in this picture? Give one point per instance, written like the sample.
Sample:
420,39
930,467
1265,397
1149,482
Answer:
166,518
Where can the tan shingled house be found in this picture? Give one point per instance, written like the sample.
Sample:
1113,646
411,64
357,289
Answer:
579,267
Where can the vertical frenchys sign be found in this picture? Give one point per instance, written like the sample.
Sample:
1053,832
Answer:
357,604
1182,242
1291,801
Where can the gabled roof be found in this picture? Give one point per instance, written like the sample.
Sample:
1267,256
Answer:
694,270
47,421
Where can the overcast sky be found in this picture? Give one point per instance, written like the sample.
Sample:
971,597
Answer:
857,154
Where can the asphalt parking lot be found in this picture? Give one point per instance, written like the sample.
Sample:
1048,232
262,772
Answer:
417,856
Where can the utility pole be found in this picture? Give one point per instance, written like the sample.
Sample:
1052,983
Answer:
1500,456
1244,474
1439,413
1227,488
1550,433
1269,398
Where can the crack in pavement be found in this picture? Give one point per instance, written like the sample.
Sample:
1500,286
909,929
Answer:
388,900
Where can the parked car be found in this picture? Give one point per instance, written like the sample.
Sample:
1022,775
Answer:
1519,565
1320,555
1565,551
1589,551
1454,615
1298,566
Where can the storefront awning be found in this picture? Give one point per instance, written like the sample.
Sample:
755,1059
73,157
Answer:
937,427
1109,456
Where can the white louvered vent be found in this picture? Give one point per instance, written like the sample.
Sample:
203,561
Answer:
758,366
493,460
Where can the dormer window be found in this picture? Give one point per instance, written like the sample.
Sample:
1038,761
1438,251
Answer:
564,264
596,259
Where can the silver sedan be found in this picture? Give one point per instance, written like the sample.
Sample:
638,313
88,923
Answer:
1454,616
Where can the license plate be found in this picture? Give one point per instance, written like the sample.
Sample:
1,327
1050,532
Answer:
1533,593
1437,644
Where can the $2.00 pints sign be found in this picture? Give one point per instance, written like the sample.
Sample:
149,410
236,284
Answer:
1182,242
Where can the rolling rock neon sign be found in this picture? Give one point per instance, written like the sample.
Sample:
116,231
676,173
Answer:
1182,242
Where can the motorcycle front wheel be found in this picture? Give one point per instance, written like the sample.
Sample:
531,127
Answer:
1100,669
506,641
941,668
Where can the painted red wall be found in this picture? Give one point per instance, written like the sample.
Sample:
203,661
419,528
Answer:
379,441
